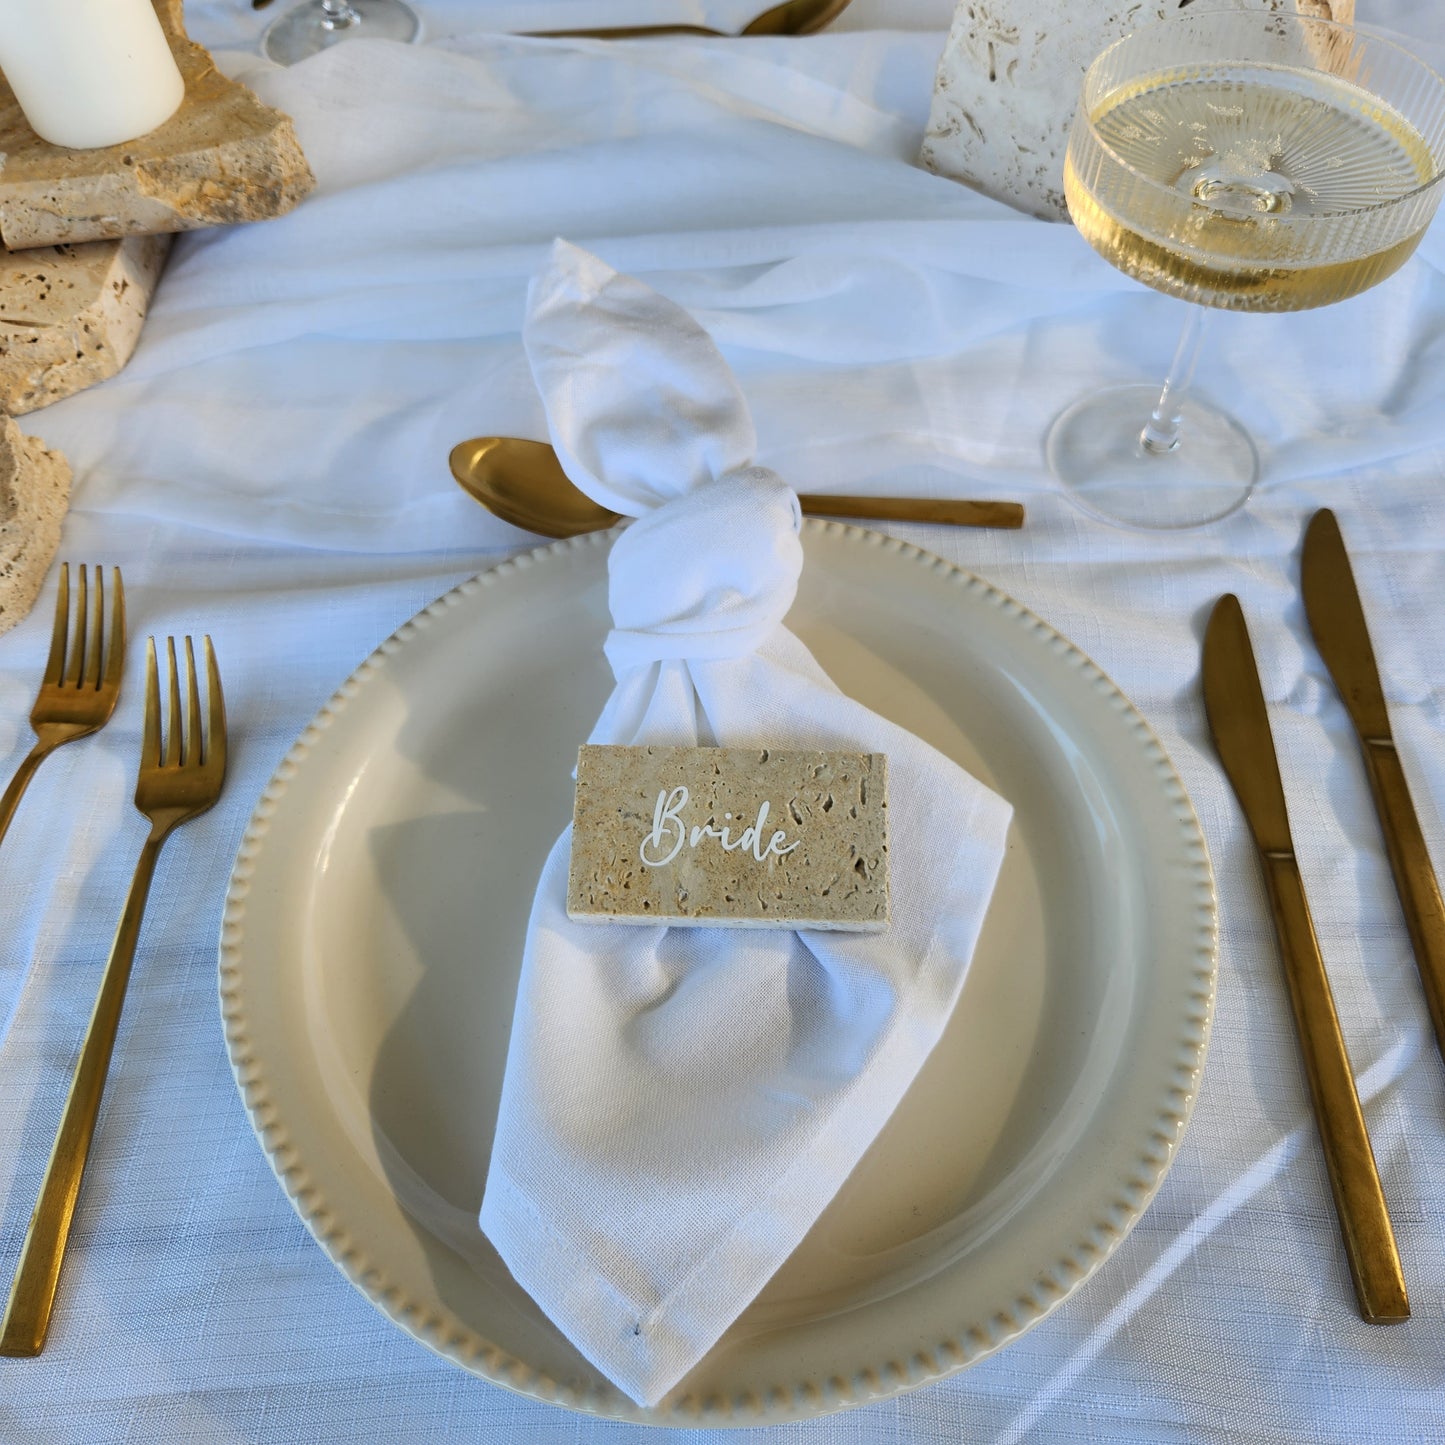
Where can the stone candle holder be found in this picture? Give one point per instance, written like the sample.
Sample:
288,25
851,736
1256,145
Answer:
70,316
223,157
85,232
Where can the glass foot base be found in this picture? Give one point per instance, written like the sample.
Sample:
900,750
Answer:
1093,448
309,28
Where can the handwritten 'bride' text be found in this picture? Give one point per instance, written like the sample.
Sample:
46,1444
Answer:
669,833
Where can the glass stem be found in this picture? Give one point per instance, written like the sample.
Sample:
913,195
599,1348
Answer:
1161,431
338,14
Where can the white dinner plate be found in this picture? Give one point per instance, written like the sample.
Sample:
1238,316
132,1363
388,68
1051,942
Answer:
374,928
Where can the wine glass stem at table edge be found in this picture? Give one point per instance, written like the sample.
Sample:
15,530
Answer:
316,25
338,14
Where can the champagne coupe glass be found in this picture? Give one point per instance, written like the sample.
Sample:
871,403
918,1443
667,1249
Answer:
319,24
1244,160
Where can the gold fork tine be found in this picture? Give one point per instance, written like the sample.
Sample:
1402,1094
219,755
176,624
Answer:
76,696
168,792
55,664
150,738
216,706
116,659
76,670
97,633
173,713
193,750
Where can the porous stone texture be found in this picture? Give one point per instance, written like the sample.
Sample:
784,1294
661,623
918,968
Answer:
742,837
1009,81
222,158
70,316
34,497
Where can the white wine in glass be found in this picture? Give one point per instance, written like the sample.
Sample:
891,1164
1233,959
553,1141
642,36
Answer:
1241,160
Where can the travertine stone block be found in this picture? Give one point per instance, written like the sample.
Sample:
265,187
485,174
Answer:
70,316
222,158
1009,80
34,497
742,837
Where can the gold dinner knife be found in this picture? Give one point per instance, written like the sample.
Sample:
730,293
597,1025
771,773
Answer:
1337,621
1239,723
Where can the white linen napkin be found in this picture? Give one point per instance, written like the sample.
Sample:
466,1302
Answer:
680,1104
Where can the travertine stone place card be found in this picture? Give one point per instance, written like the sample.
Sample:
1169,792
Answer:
736,837
222,158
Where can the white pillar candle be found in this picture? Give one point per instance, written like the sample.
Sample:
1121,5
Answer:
89,72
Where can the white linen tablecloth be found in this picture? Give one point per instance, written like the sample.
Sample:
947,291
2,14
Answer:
271,468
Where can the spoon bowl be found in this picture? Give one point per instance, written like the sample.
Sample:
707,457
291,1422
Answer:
523,483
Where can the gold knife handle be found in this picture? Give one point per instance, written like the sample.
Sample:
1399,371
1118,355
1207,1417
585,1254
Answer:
1414,877
620,32
1354,1180
948,511
32,1295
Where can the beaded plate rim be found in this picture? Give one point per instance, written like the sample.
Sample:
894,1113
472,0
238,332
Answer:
973,1340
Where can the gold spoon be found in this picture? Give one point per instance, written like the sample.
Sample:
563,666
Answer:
792,17
523,483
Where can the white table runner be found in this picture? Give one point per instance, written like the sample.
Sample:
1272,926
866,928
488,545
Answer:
271,468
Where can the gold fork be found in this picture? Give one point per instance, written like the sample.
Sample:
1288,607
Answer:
79,698
175,785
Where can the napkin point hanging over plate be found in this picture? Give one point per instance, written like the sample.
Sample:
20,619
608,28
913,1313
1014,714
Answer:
680,1104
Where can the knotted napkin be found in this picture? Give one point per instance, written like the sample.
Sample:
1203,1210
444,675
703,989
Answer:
681,1103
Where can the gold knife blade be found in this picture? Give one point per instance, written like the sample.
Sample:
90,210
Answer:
1238,720
1337,620
1239,723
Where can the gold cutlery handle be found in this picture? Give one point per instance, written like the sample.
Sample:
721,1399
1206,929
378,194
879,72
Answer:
622,32
1414,877
949,512
15,790
32,1295
1354,1179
